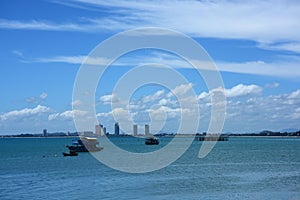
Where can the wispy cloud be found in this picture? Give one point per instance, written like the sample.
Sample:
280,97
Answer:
285,67
39,25
73,60
293,46
37,99
252,20
282,68
18,53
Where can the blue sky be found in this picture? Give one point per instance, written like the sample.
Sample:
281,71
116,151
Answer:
255,45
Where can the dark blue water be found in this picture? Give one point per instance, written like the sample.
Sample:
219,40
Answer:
242,168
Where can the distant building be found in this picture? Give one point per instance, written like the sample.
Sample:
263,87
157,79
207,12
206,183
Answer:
135,129
147,129
117,129
100,130
45,132
87,133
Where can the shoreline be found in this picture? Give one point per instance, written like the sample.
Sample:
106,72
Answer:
166,136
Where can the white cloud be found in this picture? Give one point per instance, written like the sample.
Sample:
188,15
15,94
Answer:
76,103
74,60
18,53
156,96
39,25
43,95
252,20
296,114
104,114
180,90
294,95
37,100
66,115
284,67
272,85
108,99
287,46
26,112
163,102
236,91
274,112
203,95
248,109
160,111
280,68
243,90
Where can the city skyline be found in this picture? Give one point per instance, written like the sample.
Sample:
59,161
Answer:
258,58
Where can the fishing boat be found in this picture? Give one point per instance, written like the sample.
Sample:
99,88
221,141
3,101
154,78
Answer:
85,144
151,141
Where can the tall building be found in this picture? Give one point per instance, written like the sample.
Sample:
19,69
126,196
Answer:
98,130
45,132
117,129
147,129
135,129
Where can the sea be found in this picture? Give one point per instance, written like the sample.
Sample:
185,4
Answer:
241,168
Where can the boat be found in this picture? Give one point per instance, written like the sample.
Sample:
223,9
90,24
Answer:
85,144
151,141
72,153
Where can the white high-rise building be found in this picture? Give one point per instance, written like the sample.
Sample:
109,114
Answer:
99,130
147,129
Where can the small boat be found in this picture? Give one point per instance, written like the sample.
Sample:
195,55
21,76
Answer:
151,141
85,144
72,153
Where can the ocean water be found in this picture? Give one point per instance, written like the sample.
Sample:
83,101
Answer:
241,168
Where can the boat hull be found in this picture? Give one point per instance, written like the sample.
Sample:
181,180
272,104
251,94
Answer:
151,141
70,154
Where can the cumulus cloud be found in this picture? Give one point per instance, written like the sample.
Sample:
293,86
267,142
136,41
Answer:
273,112
26,112
294,95
76,103
236,91
66,115
108,99
156,96
243,90
180,90
247,109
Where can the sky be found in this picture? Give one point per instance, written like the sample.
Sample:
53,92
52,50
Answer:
254,44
